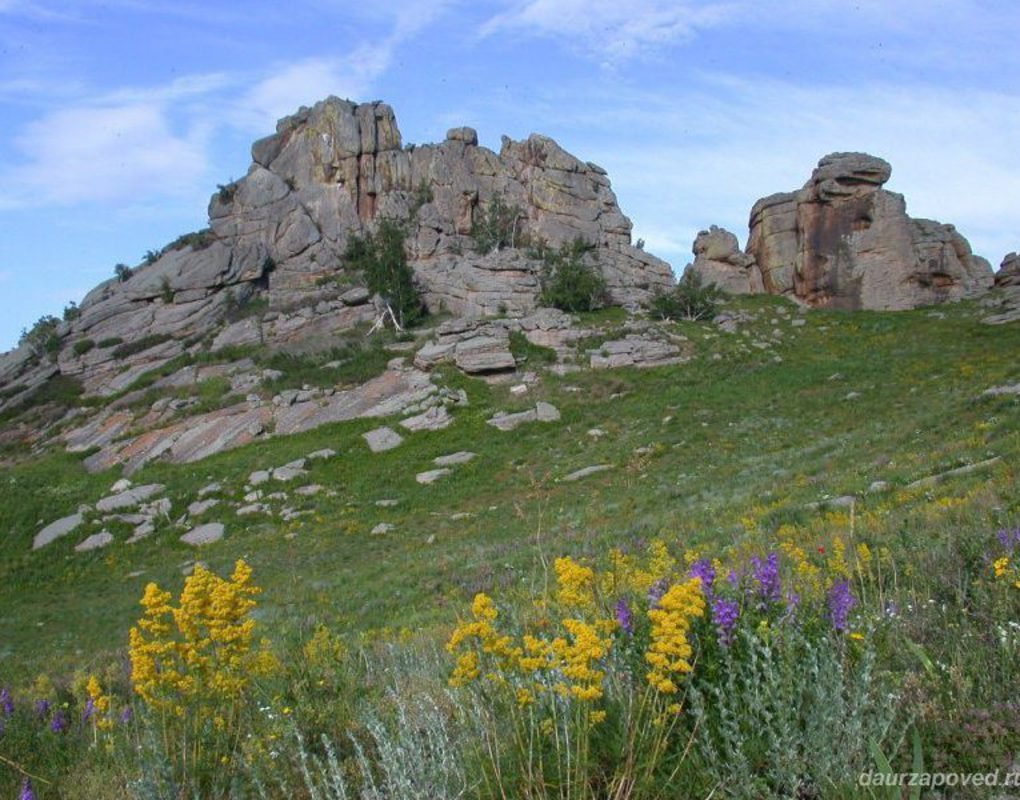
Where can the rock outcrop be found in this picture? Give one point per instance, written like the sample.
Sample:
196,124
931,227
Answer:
719,260
1009,271
844,242
277,237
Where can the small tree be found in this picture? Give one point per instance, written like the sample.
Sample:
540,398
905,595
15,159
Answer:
42,337
496,227
691,299
123,272
383,260
571,279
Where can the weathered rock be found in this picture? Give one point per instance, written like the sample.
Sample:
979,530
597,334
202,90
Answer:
382,439
719,260
201,506
844,242
321,455
130,498
586,471
94,542
288,472
543,412
636,350
204,534
259,476
55,530
453,459
434,419
1009,271
432,475
382,527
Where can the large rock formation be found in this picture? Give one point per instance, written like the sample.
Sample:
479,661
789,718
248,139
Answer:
719,260
844,242
279,234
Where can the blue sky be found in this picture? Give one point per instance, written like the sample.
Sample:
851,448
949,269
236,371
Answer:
118,118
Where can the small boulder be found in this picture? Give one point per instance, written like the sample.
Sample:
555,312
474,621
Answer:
432,475
94,542
204,534
55,530
453,459
382,439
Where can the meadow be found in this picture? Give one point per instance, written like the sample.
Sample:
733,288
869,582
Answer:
761,597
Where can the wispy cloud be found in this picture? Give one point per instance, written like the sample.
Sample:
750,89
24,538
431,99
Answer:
611,30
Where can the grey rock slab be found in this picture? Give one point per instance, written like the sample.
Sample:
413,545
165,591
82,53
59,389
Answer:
55,530
253,508
321,455
308,491
201,506
434,419
453,459
586,471
996,391
383,527
209,489
130,498
258,477
508,422
546,412
432,475
289,472
204,534
386,503
121,486
382,439
142,531
94,542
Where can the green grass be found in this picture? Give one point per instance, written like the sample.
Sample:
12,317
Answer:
737,435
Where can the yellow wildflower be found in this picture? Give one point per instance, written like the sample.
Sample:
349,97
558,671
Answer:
576,656
1000,566
576,583
669,652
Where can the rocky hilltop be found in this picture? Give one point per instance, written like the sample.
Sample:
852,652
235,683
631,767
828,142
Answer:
842,241
277,238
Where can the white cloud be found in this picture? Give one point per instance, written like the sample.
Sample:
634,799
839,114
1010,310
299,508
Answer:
103,152
612,30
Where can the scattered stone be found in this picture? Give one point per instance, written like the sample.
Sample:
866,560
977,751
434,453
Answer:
585,472
258,477
160,508
288,472
355,297
289,514
636,350
997,391
322,454
382,439
800,322
55,530
934,480
519,389
121,486
210,489
308,491
546,412
596,433
852,395
877,487
253,497
508,422
201,506
844,501
142,531
388,503
94,542
453,459
130,497
461,515
434,419
204,534
383,527
252,508
431,539
432,475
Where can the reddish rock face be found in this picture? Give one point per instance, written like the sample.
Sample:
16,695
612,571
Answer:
844,242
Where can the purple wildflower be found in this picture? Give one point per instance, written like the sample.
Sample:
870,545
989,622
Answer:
623,616
724,615
88,711
58,723
26,791
42,708
1009,540
733,578
766,575
840,601
657,590
125,715
702,569
6,702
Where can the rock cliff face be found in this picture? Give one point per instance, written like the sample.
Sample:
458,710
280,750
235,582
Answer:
278,235
718,259
844,242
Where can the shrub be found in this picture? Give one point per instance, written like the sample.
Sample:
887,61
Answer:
496,226
82,346
225,191
71,312
110,341
139,345
42,337
151,257
383,260
525,351
196,240
570,279
691,299
123,272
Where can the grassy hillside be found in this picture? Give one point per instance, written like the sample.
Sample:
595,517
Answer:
736,450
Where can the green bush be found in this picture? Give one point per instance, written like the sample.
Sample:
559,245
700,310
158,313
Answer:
525,351
196,240
111,341
123,272
42,337
571,279
692,299
138,345
383,260
151,257
496,227
82,346
71,312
